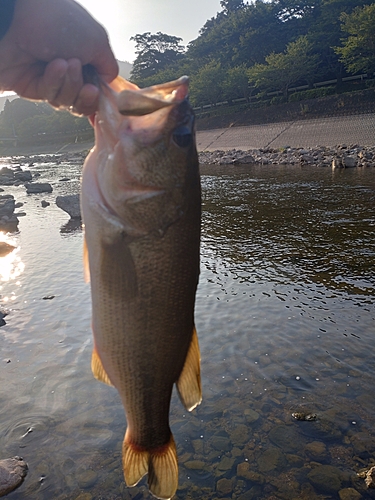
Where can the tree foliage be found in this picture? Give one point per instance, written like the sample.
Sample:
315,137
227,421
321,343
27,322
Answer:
155,52
358,49
27,120
296,65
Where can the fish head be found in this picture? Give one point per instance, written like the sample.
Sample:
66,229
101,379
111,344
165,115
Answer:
147,158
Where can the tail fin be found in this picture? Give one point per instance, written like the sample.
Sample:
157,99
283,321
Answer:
160,464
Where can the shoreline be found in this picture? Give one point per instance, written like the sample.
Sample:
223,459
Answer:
341,156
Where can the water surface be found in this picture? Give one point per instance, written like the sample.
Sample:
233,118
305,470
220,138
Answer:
285,317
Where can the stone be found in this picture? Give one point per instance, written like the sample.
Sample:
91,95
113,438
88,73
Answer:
251,416
349,494
325,478
224,486
195,464
86,478
23,175
226,463
221,443
38,187
244,470
316,450
272,459
349,161
12,473
70,204
370,478
45,203
240,435
286,437
7,205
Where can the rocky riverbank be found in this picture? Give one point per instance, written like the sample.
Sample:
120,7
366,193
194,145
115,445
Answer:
17,172
342,156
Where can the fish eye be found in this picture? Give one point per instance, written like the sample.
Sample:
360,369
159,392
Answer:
182,136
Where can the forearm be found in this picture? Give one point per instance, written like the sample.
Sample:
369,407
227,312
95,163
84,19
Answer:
6,15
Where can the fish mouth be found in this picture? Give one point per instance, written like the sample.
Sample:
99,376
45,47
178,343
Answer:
140,102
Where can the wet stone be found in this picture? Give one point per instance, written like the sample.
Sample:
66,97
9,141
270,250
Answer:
240,435
38,187
195,464
226,464
220,443
224,486
84,496
370,478
316,450
251,415
12,472
198,446
286,437
271,459
86,478
349,494
244,470
325,478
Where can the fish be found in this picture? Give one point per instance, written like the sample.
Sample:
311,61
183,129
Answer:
141,208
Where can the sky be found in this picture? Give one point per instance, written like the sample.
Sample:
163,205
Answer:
126,18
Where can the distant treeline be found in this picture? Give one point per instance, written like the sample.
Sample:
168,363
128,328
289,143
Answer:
37,122
261,47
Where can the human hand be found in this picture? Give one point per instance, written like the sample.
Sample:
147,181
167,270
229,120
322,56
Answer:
42,54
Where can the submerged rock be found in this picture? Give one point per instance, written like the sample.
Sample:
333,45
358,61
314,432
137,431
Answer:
326,478
349,494
70,204
12,472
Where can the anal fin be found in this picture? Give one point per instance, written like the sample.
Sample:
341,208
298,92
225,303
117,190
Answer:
189,383
160,464
98,370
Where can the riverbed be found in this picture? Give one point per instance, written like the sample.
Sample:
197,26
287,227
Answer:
285,318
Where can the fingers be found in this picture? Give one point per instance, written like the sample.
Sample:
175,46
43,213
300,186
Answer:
63,87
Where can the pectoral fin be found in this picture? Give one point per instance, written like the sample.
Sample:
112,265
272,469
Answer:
86,268
189,383
98,370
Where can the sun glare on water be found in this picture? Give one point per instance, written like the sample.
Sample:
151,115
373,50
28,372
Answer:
11,265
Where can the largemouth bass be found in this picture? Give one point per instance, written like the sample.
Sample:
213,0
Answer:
141,209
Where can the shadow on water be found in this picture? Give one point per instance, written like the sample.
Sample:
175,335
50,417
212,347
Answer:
285,317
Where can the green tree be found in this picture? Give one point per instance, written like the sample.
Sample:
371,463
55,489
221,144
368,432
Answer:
155,52
231,5
281,70
325,33
236,83
358,49
206,85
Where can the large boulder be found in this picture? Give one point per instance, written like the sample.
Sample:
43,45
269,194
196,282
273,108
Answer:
70,204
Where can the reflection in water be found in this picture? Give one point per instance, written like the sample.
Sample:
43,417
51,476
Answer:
11,265
285,316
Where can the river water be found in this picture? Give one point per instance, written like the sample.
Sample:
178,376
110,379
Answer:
285,317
